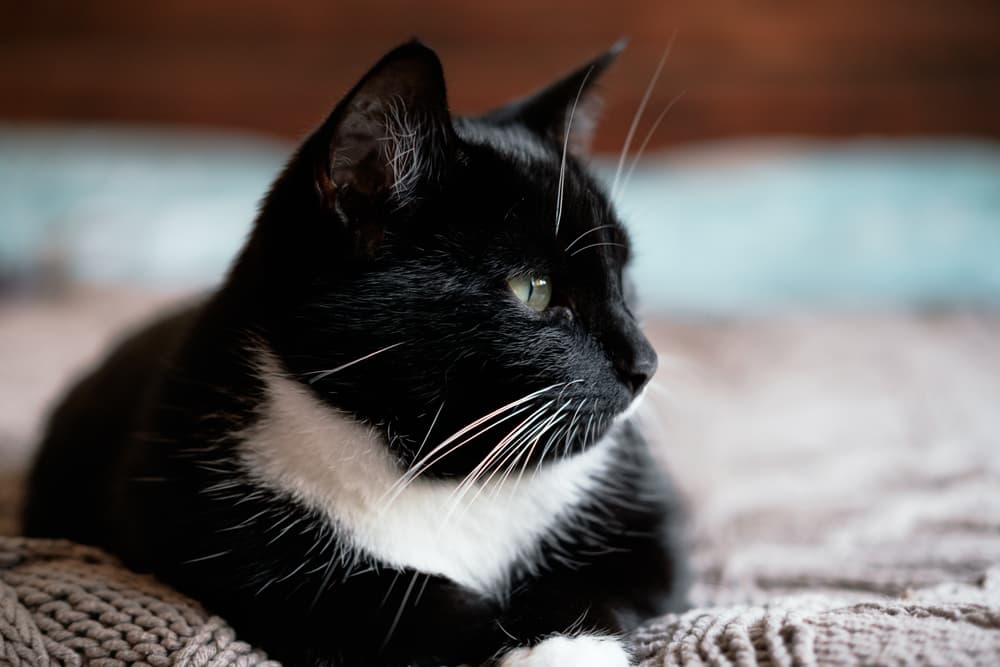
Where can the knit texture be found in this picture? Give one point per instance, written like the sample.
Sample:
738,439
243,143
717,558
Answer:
843,477
928,627
66,604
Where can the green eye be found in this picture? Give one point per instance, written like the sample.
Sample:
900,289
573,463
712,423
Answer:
534,291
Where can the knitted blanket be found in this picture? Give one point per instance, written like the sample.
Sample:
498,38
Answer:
66,604
843,478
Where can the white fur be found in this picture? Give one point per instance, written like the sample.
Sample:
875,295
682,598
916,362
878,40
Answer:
563,651
405,153
342,468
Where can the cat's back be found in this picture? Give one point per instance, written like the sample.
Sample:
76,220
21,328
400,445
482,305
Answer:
73,484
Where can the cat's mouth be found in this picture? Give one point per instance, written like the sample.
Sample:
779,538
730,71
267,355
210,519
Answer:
633,407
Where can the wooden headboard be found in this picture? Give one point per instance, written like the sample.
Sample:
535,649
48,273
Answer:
747,67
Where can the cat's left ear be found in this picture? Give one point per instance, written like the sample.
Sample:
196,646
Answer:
566,110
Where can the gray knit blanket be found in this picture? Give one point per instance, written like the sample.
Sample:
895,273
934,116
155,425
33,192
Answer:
842,475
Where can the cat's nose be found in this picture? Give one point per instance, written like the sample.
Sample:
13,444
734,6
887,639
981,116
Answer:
636,369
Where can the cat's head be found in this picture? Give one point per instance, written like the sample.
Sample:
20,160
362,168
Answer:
434,275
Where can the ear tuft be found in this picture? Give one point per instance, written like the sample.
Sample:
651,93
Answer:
389,134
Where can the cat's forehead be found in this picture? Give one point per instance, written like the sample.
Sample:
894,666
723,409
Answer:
511,141
584,205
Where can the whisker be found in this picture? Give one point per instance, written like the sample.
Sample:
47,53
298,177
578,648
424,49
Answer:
426,437
562,166
423,586
508,451
414,473
513,437
560,414
500,453
594,229
594,245
567,386
638,114
419,467
649,135
513,454
208,557
526,449
514,457
586,433
323,374
485,418
388,590
570,428
552,439
504,630
402,606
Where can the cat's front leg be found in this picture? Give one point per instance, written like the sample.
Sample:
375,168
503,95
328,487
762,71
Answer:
584,650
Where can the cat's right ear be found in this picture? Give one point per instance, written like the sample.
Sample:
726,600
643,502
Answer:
388,137
563,111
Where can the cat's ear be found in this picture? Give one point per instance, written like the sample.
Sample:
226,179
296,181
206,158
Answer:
387,137
566,110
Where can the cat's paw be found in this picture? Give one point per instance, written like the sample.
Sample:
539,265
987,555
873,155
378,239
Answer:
563,651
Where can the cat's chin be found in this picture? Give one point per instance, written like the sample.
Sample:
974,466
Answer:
633,406
616,424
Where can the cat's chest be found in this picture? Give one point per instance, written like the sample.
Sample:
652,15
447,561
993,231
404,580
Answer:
475,536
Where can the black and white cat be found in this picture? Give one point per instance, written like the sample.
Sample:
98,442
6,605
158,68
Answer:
397,434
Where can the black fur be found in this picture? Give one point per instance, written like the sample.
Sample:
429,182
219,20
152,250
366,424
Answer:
140,456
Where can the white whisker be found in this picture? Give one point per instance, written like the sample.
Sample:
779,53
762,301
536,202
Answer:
465,429
419,467
402,606
649,135
500,453
562,166
513,437
413,473
586,433
319,375
552,439
514,446
426,437
594,245
527,448
594,229
638,115
557,418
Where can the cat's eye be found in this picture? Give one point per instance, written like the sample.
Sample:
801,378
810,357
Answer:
534,291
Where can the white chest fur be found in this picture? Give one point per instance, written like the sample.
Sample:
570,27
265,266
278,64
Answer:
336,465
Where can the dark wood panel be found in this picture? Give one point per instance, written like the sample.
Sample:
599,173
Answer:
745,66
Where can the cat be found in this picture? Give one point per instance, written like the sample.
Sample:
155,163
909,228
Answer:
399,433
